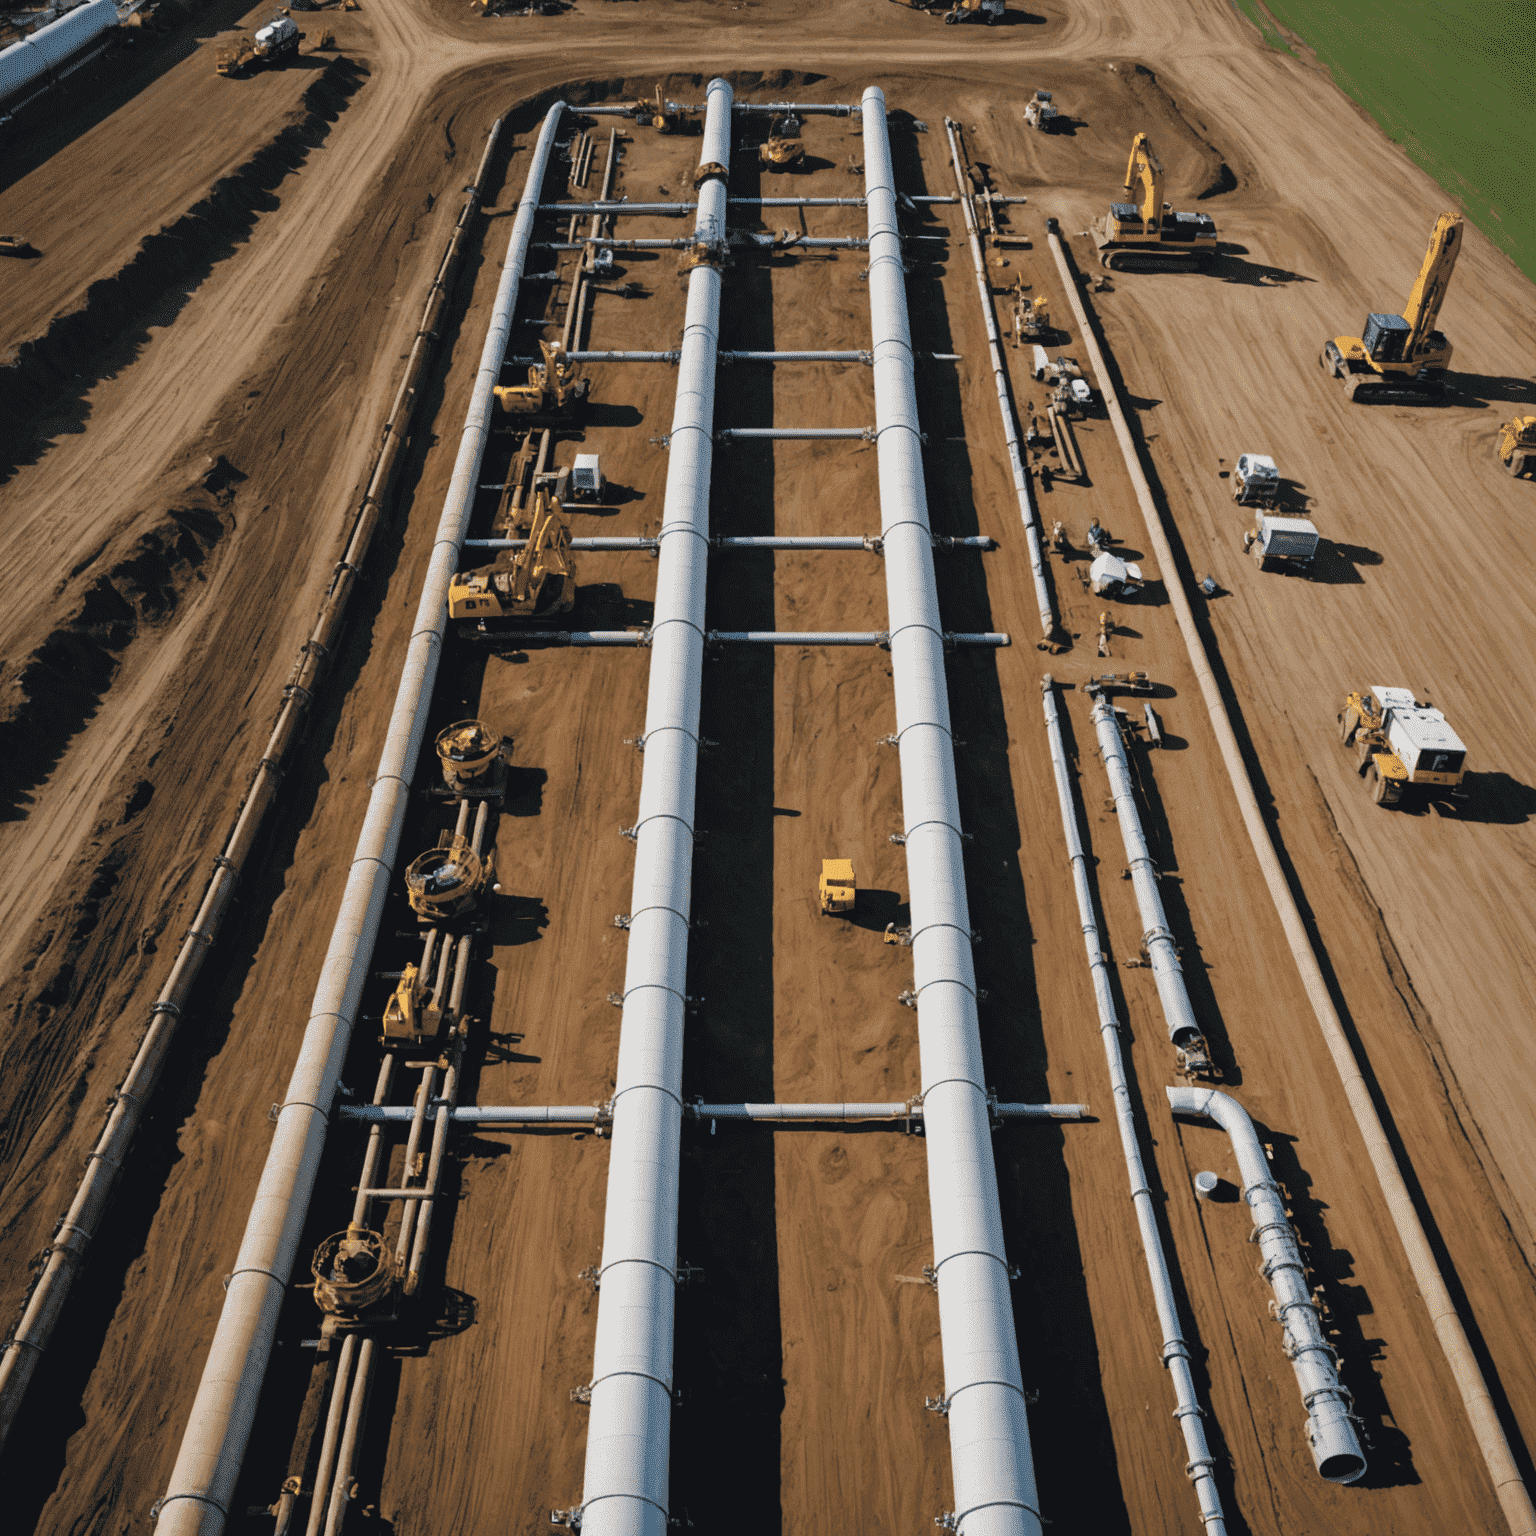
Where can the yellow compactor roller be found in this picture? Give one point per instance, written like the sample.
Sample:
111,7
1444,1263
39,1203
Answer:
1401,359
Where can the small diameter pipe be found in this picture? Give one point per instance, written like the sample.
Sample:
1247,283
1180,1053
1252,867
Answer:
1048,625
793,434
625,1483
870,543
213,1446
86,1212
326,1469
1508,1482
730,357
991,1463
1175,1354
640,637
1162,953
482,1116
1330,1424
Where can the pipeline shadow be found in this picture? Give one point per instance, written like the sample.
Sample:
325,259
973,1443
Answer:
726,1450
1073,1434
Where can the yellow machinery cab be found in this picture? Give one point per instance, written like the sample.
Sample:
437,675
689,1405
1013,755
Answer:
837,888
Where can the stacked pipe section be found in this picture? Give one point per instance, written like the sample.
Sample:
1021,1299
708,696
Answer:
994,1479
1156,940
1201,1465
213,1446
1330,1423
629,1436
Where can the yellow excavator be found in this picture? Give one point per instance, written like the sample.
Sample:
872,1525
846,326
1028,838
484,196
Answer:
1147,235
1401,359
536,581
554,391
1516,445
783,148
663,115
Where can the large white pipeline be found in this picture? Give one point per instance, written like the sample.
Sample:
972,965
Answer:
213,1445
994,1479
628,1439
1201,1465
1162,954
1330,1424
50,50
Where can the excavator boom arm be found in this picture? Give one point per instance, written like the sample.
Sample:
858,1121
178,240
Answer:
1145,170
1423,308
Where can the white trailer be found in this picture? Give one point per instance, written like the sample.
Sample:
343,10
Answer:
1289,540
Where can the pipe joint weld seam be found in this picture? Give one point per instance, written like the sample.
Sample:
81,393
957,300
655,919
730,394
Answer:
597,1381
639,1498
660,1088
968,1081
656,906
668,1270
197,1498
907,522
938,634
692,528
979,1253
917,725
985,1381
288,1104
654,986
660,816
660,624
934,822
940,981
254,1269
917,933
997,1504
658,730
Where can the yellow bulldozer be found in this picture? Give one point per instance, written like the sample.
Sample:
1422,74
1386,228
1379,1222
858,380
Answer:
553,394
1401,359
1145,234
1516,445
535,581
783,148
837,890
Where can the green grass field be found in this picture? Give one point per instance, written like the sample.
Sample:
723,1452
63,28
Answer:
1452,81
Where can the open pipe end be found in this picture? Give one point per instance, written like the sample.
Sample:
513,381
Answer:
1342,1467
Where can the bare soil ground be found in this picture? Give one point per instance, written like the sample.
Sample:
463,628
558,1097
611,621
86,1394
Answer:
167,536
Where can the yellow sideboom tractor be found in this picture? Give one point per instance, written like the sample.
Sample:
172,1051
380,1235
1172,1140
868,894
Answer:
535,581
1403,748
1516,445
837,889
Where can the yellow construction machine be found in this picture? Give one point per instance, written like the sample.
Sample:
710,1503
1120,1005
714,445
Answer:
1401,359
554,391
354,1271
783,148
1031,316
413,1015
1516,446
837,888
535,581
1402,745
446,885
279,39
473,761
663,115
1146,234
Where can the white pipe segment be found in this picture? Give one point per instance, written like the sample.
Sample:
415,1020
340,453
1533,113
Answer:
1175,1355
1005,401
582,1114
1330,1424
994,1479
629,1437
46,50
1162,954
196,1502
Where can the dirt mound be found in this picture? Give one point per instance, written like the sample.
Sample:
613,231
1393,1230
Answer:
52,374
58,687
1191,159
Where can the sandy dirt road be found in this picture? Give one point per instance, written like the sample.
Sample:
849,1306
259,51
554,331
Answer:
805,1330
